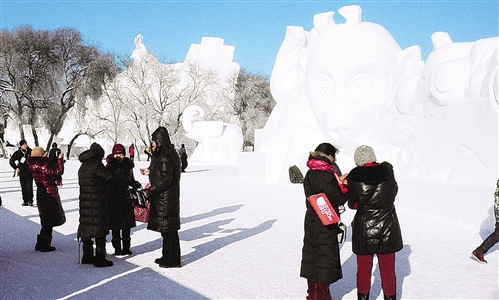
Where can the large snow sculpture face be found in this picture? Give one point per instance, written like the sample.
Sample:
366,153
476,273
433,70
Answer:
350,74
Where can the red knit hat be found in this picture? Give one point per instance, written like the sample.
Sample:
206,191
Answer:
119,148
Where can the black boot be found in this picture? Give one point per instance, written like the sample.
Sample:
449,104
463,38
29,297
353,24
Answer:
88,252
100,254
43,243
117,246
362,296
126,247
393,297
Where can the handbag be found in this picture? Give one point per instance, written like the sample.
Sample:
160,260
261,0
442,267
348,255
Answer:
322,207
138,197
141,206
142,213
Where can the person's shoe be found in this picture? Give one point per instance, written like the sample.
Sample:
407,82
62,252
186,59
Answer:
43,243
170,266
478,256
25,204
30,203
101,261
160,260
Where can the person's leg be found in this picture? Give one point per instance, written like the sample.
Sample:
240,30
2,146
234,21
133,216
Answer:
311,293
100,253
29,189
490,241
116,241
24,190
364,269
126,241
322,291
88,252
44,240
171,250
388,276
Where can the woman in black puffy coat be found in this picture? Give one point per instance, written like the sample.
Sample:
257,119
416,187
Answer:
121,216
94,179
320,263
375,229
164,196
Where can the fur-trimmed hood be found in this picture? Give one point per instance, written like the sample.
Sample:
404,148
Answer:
371,174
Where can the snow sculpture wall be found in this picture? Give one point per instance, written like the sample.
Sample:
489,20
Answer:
351,84
217,141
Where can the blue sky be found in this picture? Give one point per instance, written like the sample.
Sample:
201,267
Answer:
255,28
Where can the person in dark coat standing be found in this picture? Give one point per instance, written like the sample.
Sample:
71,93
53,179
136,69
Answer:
121,216
182,152
375,228
54,152
320,263
164,196
47,175
94,179
18,163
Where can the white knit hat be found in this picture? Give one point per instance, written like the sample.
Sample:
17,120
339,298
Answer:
363,155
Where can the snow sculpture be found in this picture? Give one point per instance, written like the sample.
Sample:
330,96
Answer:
455,111
217,141
351,84
140,50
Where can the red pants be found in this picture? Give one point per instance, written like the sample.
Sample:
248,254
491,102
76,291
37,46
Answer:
318,291
386,269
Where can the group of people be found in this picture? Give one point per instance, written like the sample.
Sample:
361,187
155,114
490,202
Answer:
105,205
104,202
370,189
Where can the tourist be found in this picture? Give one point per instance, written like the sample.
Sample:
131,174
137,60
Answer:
121,215
164,196
375,228
18,163
47,175
94,179
320,263
493,238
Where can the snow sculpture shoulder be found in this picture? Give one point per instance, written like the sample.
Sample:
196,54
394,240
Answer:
217,141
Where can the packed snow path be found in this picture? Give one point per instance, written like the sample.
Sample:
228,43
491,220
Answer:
240,239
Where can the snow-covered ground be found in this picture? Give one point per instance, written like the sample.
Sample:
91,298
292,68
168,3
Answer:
242,239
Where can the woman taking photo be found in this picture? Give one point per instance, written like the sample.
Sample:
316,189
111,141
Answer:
47,176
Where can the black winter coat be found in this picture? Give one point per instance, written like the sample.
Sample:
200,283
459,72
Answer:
321,255
375,227
94,179
18,160
46,174
164,192
121,214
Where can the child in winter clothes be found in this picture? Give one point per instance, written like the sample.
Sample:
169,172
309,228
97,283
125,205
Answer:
493,238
